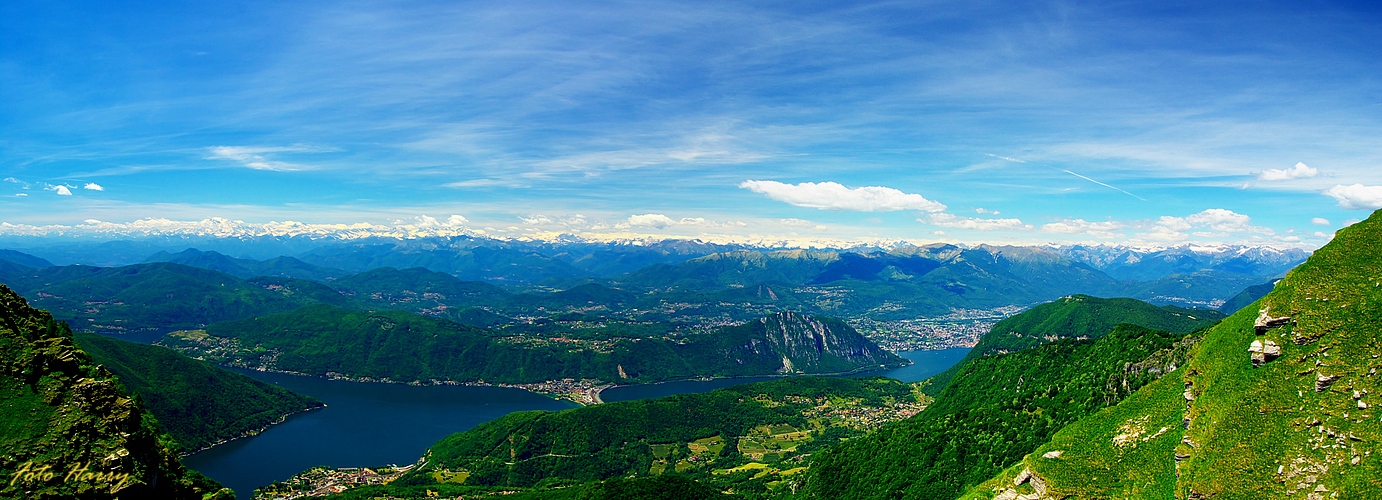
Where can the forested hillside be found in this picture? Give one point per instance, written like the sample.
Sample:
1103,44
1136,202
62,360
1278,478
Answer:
198,404
404,347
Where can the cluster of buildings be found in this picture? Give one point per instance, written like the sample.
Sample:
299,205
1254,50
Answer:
322,481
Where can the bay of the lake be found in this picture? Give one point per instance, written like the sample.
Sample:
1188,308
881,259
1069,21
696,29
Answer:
371,424
363,425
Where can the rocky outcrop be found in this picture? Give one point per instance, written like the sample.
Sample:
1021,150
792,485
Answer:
73,431
805,344
1266,321
1323,382
1263,352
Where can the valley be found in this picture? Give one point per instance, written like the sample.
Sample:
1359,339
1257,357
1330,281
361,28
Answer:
698,325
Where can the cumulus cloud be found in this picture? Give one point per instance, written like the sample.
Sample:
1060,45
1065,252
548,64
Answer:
60,189
833,196
93,186
21,195
982,210
1214,222
1300,171
1107,229
974,223
1357,196
1320,221
656,221
427,221
1220,219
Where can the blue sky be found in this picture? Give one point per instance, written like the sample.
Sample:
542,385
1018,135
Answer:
1146,123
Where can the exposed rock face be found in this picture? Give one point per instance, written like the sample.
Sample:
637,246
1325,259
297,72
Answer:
1266,321
75,432
807,344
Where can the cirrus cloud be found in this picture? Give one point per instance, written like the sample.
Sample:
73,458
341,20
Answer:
834,196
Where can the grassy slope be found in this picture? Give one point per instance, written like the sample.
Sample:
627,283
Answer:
1245,423
199,404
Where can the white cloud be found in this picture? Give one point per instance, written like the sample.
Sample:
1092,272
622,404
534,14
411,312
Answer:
61,190
833,196
1211,223
1320,221
1300,171
657,221
983,210
425,221
1220,219
93,186
1107,229
794,222
974,223
21,195
1357,196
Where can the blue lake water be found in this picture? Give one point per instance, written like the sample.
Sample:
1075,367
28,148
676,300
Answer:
366,424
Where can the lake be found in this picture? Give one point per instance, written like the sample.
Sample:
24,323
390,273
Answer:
370,424
364,424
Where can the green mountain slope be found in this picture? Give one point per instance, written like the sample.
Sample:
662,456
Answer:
159,296
1076,316
996,410
198,404
24,259
68,429
1247,297
281,267
417,288
1303,424
405,347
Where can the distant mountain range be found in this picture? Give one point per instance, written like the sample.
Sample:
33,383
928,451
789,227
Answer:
488,282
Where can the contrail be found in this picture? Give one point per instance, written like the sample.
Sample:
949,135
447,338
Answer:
1115,188
1104,185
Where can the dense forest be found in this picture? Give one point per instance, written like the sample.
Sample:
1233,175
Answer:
198,404
405,347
